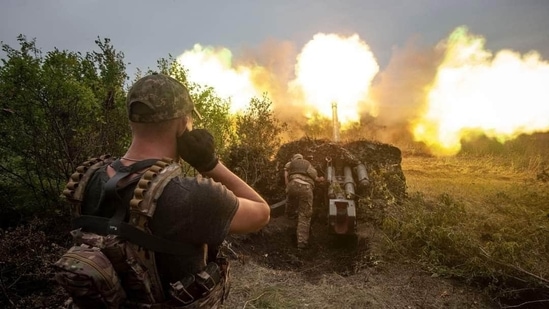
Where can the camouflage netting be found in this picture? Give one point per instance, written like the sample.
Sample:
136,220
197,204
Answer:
382,161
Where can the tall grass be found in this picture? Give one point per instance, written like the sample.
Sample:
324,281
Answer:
526,153
483,219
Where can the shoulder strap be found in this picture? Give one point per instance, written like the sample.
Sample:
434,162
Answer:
111,193
74,190
142,207
148,190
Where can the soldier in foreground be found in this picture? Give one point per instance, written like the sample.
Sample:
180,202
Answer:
151,234
300,177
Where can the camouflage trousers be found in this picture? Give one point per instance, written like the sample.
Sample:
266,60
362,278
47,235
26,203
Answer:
300,201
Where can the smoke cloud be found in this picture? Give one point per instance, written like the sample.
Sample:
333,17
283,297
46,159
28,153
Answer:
410,103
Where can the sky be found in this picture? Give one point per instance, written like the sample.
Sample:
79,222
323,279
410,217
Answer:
407,64
148,30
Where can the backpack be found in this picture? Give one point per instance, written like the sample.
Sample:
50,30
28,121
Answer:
112,262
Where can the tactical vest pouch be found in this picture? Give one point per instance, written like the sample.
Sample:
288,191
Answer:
89,277
98,264
208,288
196,286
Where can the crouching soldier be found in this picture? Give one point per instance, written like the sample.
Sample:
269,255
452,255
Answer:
300,177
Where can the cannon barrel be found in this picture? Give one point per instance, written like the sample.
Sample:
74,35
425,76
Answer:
362,176
349,182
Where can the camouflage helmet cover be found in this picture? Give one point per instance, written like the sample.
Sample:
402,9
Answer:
164,98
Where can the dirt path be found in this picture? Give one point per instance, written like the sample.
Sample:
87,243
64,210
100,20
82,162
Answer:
271,273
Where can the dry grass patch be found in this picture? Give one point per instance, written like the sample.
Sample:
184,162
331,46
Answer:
483,221
386,286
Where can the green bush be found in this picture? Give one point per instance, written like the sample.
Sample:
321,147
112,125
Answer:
58,109
503,245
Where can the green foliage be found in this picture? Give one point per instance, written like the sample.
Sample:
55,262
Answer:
215,117
257,126
57,110
258,138
503,245
430,228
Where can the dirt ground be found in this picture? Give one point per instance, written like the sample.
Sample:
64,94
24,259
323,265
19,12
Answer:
335,272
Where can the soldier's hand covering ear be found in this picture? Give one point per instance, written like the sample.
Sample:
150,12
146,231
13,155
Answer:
197,147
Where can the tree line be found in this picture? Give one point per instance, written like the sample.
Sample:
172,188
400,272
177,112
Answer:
58,108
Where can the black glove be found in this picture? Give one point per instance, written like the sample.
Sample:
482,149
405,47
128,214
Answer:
197,148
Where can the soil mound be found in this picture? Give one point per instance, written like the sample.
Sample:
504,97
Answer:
275,245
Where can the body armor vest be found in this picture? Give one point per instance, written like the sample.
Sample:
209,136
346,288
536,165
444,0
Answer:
299,169
113,264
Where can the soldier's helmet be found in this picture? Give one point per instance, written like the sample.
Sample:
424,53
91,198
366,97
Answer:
297,156
157,98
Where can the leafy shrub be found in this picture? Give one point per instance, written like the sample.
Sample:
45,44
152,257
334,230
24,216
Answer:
58,109
503,246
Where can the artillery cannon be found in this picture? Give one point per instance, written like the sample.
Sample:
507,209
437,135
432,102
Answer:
358,175
341,198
